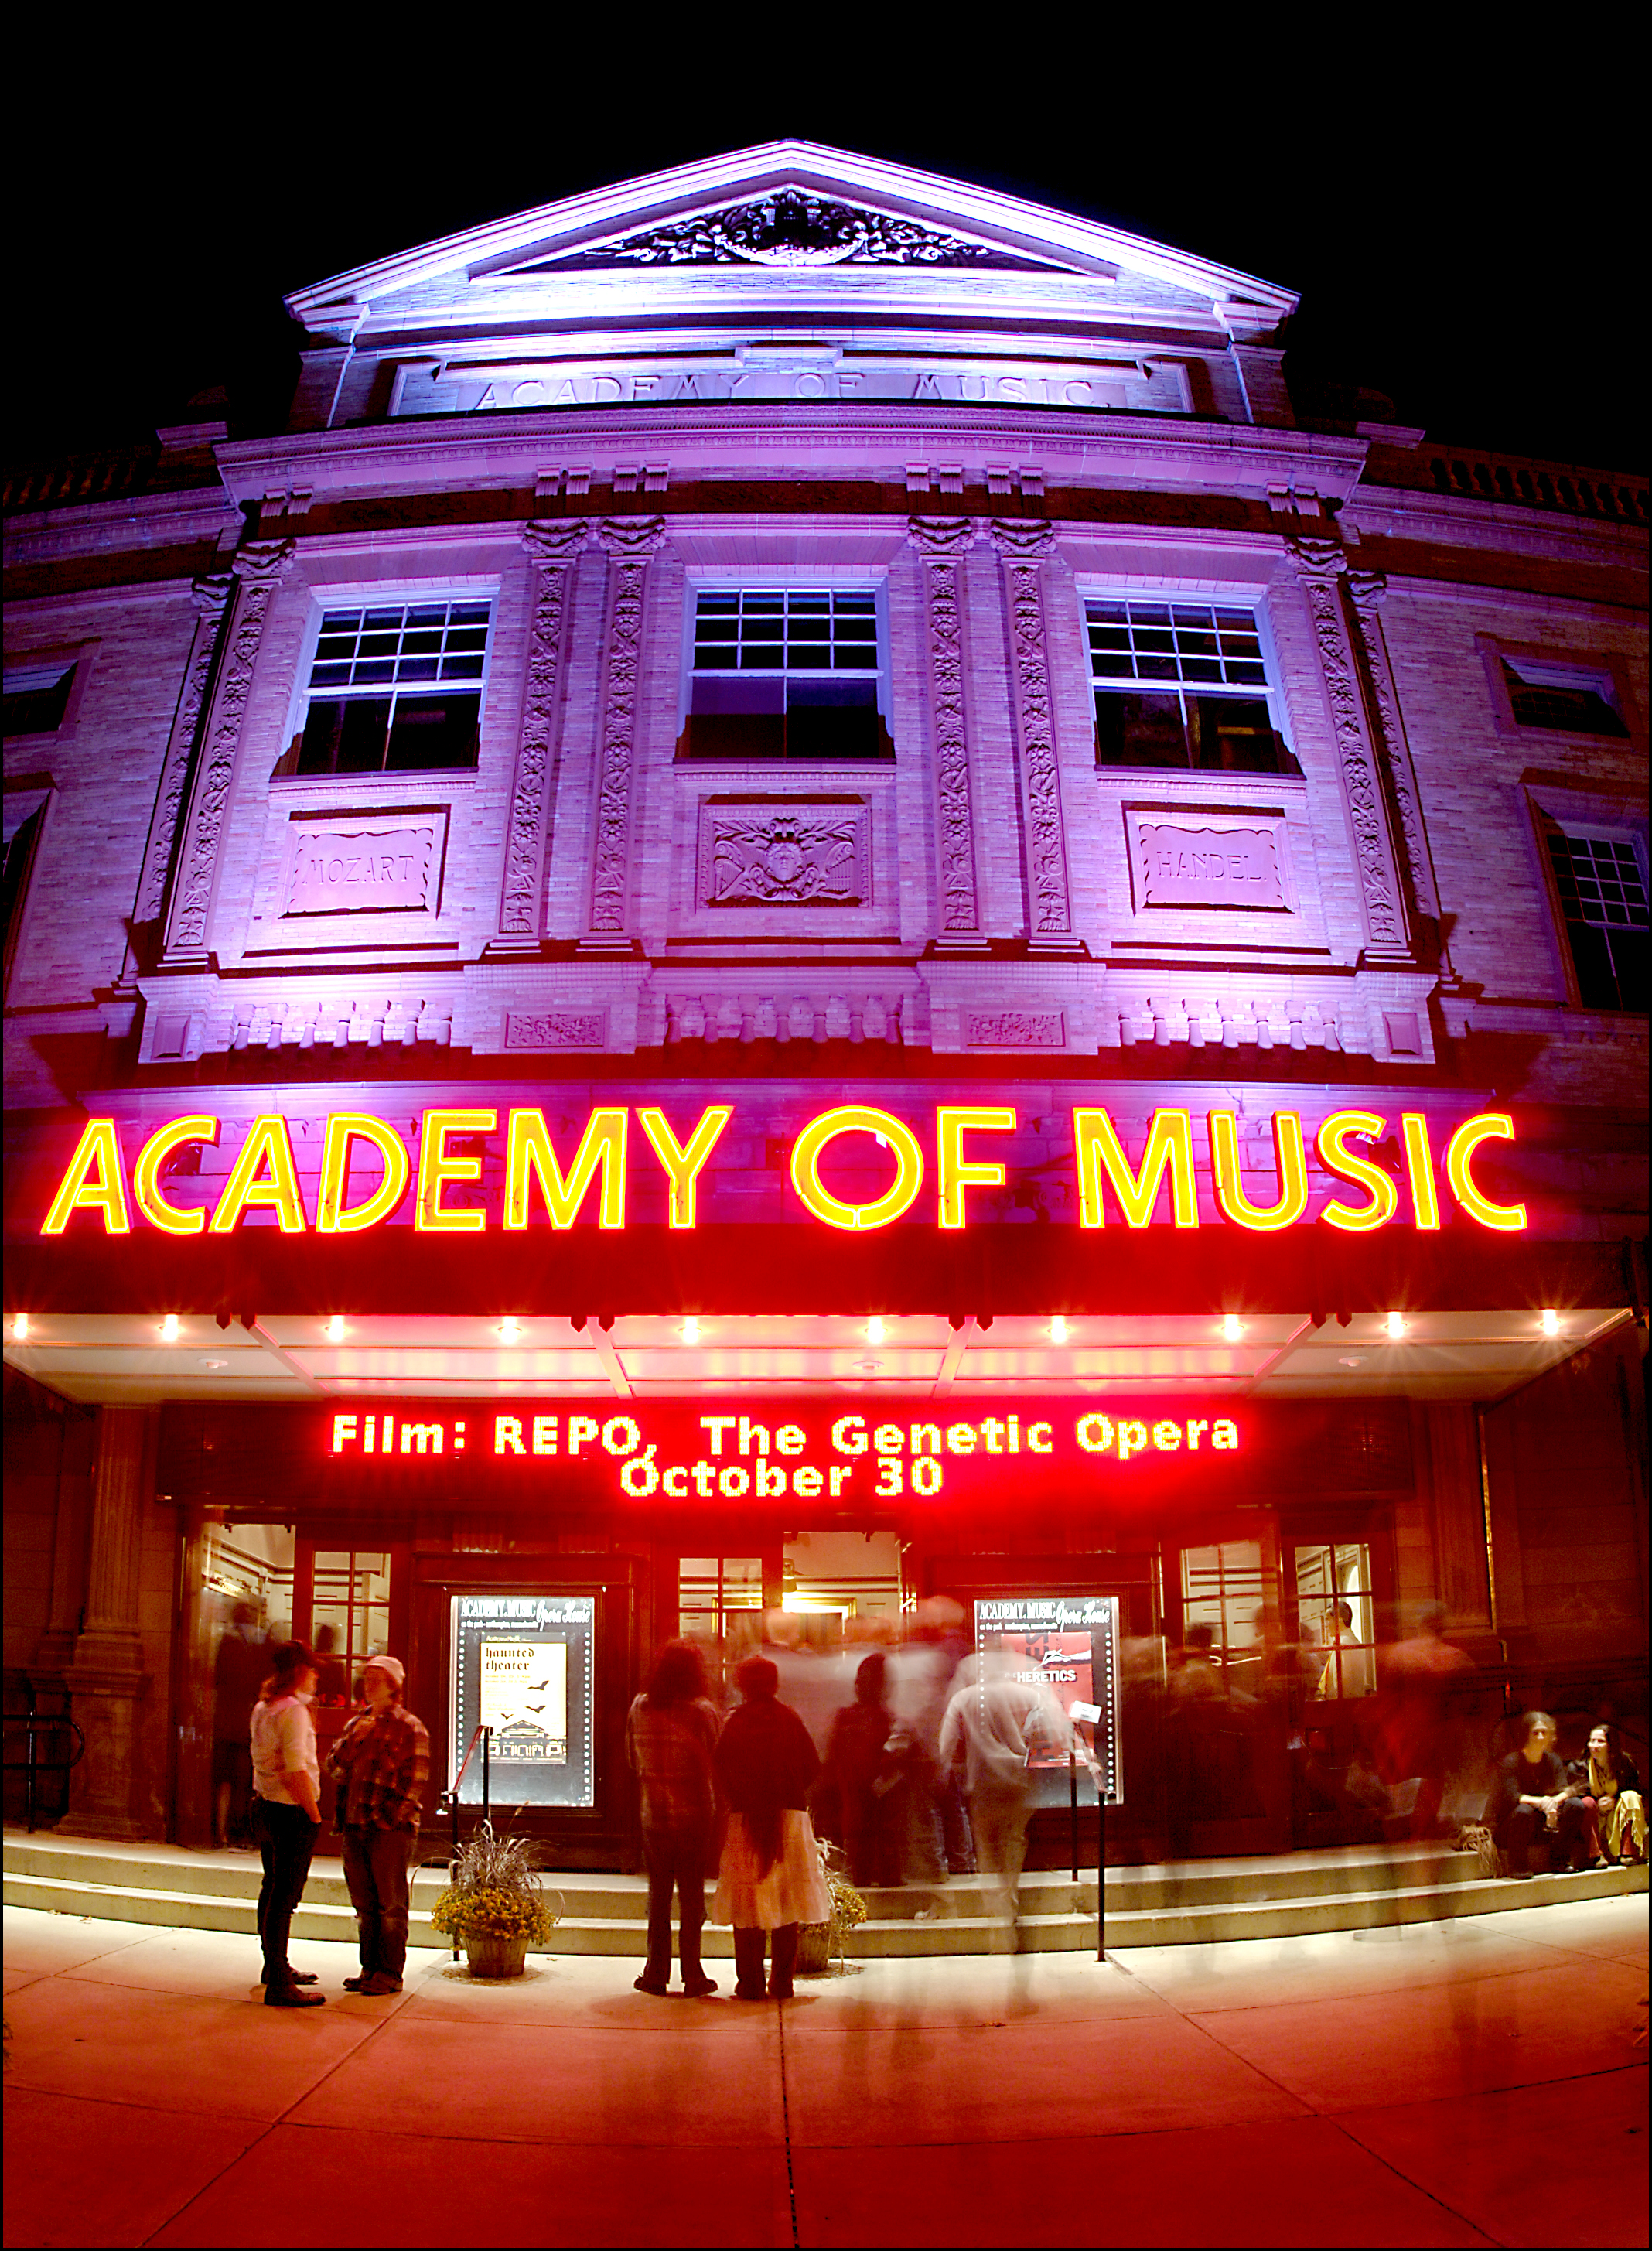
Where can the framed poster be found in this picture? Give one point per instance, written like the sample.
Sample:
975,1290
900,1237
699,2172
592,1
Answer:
1067,1645
523,1665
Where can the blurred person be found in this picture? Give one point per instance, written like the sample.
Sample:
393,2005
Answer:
1607,1784
332,1681
1534,1801
238,1668
381,1763
921,1675
993,1723
1347,1670
1426,1682
770,1878
671,1738
861,1776
286,1814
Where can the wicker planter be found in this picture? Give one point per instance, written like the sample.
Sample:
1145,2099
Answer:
814,1948
495,1957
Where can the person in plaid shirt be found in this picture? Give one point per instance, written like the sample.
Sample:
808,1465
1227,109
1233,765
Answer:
380,1764
670,1736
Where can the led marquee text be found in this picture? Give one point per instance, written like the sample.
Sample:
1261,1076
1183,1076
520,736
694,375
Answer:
736,1457
1110,1182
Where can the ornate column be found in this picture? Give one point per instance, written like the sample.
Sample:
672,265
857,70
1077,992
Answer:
1320,564
106,1673
628,542
942,541
1022,549
212,598
260,569
554,549
1367,591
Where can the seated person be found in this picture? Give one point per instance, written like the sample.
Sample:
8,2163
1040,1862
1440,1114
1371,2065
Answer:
1607,1783
1534,1804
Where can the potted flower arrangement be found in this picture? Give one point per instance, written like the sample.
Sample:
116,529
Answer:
818,1942
493,1906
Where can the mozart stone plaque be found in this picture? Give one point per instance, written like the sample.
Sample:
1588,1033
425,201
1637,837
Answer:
385,865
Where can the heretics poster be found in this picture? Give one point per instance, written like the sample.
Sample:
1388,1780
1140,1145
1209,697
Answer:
522,1668
1066,1646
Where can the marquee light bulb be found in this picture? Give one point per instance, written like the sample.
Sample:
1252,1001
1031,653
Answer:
510,1329
20,1326
1396,1325
1232,1327
335,1329
1551,1321
1059,1330
170,1329
876,1332
691,1330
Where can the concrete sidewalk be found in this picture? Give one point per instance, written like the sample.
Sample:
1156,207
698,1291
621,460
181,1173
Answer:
1446,2083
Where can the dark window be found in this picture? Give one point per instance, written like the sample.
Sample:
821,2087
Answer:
1603,899
1547,696
784,676
14,884
388,691
37,696
1195,655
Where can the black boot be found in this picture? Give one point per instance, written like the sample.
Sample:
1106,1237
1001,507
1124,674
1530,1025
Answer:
783,1945
748,1965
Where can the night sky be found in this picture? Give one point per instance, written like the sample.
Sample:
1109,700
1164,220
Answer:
1468,246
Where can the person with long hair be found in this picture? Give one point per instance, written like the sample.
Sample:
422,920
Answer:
860,1773
1535,1812
671,1735
287,1782
1608,1784
770,1880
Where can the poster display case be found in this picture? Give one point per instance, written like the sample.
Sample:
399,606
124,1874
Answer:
1066,1646
523,1665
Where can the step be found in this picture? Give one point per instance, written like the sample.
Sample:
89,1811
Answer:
604,1914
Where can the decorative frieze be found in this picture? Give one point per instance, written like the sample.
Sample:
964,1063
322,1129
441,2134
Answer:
1367,591
260,569
1022,549
628,543
1320,564
1014,1027
212,599
795,853
763,1017
553,549
552,1029
942,542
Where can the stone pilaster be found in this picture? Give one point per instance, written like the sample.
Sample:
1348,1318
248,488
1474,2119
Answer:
211,597
628,542
106,1673
1320,564
1367,591
554,549
259,570
1022,549
942,542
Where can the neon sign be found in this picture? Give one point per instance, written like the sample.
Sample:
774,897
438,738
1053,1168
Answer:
538,1190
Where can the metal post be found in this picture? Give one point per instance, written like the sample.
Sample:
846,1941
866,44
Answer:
1071,1801
1101,1868
33,1769
488,1804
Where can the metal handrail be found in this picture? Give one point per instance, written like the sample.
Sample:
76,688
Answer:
32,1723
484,1736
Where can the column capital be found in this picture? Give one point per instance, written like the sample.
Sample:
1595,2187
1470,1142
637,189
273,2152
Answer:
263,562
1021,540
555,542
631,538
941,537
1367,591
210,594
1319,562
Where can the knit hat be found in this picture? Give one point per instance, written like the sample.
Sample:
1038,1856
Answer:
393,1665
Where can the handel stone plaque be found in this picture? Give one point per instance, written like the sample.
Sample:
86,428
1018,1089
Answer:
1196,859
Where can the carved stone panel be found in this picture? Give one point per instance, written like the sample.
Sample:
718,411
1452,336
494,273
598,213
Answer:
370,864
555,1028
628,543
762,852
212,596
1194,859
942,542
1014,1027
553,548
1022,548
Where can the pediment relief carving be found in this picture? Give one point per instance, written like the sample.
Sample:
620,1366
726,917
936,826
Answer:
788,228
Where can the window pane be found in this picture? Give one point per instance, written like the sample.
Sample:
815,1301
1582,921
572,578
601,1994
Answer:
1139,730
1577,707
432,731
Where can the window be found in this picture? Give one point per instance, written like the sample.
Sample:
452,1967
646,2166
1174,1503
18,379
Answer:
1222,1607
784,676
1336,1626
1182,684
720,1606
1601,885
36,694
394,690
1571,699
21,840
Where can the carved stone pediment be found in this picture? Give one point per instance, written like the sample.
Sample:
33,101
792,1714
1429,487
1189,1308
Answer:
789,227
